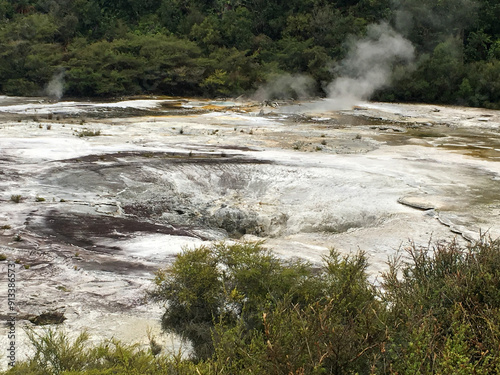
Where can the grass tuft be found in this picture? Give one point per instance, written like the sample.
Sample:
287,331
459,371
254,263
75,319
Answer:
16,198
88,133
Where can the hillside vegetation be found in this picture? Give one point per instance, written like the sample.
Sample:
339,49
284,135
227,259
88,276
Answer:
245,311
231,47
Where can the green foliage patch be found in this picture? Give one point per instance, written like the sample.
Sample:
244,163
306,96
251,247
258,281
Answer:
16,198
244,310
227,48
88,133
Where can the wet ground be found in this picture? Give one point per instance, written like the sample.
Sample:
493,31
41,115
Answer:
94,197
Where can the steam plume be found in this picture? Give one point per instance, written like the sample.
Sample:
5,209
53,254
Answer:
55,88
286,86
368,65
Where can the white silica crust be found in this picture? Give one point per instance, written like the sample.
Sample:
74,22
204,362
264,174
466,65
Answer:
107,196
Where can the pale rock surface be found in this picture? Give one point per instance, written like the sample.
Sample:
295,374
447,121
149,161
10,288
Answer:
100,214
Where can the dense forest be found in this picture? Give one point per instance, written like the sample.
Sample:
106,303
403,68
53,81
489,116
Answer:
233,47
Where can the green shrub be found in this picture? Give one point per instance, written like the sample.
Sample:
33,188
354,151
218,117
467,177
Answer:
55,353
299,145
224,283
320,337
444,309
16,198
230,286
436,311
88,133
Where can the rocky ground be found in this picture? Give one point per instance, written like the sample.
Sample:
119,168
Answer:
94,197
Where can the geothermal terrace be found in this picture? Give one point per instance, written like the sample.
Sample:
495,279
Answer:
94,197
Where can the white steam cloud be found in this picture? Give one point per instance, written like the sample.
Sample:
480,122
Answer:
286,86
55,88
368,66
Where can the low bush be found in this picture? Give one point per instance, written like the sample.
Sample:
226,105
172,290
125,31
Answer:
16,198
223,284
443,309
435,311
56,354
88,133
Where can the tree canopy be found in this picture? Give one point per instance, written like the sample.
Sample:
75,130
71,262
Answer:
231,47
